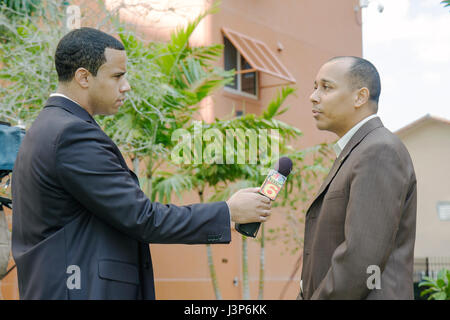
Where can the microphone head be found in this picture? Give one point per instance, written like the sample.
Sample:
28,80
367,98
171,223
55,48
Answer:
284,166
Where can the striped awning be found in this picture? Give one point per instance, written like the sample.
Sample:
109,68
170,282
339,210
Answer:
258,55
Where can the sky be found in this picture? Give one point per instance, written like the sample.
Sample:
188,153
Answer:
409,44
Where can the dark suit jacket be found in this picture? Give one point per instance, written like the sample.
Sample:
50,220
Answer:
363,215
77,205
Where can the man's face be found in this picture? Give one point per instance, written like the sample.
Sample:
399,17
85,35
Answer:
107,89
332,98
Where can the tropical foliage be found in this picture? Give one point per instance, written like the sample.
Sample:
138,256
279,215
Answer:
439,288
225,179
19,7
169,80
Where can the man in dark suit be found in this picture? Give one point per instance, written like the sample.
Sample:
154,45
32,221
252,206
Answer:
360,227
81,224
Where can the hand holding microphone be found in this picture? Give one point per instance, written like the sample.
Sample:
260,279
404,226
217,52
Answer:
248,205
270,189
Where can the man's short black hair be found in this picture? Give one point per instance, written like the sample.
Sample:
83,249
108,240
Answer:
83,48
362,73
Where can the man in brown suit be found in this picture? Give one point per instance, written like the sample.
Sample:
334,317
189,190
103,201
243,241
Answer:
360,227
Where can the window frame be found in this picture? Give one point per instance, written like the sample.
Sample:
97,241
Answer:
239,75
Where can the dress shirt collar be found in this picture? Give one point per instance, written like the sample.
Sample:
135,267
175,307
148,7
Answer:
72,106
342,142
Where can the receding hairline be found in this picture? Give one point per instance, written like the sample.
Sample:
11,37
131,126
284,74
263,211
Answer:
361,73
352,58
351,61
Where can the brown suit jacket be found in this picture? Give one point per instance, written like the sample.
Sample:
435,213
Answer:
363,215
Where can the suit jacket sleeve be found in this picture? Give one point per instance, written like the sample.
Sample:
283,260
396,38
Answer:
89,169
378,188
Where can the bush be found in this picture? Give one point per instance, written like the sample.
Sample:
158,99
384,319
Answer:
438,289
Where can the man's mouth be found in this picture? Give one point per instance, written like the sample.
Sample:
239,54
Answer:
316,112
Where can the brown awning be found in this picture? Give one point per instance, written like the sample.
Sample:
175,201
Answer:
258,55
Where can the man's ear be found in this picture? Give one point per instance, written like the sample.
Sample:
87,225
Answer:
362,97
82,76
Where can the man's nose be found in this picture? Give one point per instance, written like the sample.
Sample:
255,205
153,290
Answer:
313,97
125,87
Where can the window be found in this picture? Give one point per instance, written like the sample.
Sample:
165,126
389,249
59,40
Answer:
245,82
443,208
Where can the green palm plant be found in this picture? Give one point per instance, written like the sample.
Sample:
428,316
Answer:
199,176
168,80
227,178
439,288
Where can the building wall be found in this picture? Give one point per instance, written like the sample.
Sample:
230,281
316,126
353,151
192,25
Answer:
429,146
310,31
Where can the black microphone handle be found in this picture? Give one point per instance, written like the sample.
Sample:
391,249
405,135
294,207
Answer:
248,229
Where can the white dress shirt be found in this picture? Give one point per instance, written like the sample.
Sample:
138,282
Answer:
342,142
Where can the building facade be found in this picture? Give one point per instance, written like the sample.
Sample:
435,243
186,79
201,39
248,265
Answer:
428,142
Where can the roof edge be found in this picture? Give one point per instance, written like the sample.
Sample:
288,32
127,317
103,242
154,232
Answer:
419,122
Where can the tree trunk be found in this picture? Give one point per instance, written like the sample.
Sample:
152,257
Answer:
212,270
212,273
261,265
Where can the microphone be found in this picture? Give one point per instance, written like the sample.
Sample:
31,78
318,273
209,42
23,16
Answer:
270,188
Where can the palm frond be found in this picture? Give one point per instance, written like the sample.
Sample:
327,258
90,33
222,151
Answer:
226,192
275,104
167,183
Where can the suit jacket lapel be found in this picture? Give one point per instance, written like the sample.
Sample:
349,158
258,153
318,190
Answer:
354,141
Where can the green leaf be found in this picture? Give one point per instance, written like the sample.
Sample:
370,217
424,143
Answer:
438,296
427,281
274,105
427,284
440,283
427,291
